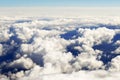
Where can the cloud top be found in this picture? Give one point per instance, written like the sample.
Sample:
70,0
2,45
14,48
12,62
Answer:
48,47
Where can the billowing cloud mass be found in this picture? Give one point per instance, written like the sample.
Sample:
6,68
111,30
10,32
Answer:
33,48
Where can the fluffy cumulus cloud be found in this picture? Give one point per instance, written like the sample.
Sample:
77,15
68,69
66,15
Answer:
59,48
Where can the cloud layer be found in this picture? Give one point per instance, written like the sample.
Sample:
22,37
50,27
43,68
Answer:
59,48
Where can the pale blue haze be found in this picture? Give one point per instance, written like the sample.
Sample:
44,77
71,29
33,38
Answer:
79,3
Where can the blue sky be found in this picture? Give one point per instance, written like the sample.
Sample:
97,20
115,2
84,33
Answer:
80,3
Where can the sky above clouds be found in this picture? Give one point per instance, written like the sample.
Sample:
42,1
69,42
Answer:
80,3
60,8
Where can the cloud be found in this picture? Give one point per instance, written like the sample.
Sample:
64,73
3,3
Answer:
1,50
114,65
22,63
59,48
117,51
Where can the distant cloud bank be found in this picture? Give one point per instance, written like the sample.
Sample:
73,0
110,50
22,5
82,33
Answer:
60,11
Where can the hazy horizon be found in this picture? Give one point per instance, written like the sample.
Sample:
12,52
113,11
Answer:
59,11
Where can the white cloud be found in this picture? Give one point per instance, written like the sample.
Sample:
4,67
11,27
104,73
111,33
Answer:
1,49
40,51
115,65
117,51
22,63
94,75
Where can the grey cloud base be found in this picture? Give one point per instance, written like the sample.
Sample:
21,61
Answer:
59,48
